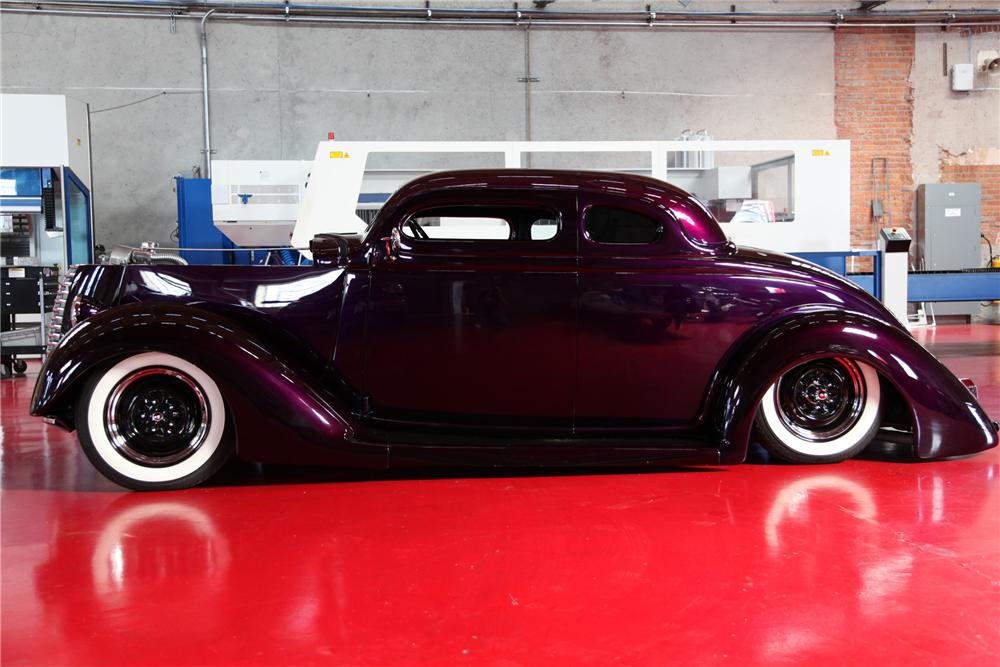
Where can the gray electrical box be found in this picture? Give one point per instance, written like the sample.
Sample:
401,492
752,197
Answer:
948,229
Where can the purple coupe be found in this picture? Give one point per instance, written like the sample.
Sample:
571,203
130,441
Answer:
558,318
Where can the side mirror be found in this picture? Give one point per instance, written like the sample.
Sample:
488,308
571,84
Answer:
333,249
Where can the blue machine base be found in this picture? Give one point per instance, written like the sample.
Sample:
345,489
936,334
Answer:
971,285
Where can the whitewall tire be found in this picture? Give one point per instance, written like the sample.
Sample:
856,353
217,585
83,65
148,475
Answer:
153,421
822,411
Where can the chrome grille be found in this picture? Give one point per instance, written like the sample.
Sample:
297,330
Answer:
55,327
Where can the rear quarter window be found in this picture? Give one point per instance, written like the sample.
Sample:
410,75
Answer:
609,224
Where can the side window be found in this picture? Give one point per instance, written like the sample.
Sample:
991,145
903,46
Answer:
441,225
485,223
607,224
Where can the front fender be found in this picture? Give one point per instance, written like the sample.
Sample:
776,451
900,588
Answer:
280,407
947,419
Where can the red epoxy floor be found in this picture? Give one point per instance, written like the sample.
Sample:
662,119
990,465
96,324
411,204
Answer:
866,562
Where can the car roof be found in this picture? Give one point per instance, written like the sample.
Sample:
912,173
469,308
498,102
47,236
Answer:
589,181
698,224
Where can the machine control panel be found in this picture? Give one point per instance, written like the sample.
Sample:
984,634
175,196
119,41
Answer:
895,239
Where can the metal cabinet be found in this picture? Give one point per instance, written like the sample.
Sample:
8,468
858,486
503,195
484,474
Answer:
26,296
948,229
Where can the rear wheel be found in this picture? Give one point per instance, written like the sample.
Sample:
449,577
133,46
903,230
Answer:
153,421
822,411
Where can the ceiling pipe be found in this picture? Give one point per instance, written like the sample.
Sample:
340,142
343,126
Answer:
486,17
513,12
30,8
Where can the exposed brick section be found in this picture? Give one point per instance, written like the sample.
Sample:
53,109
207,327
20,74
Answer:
874,109
988,176
978,30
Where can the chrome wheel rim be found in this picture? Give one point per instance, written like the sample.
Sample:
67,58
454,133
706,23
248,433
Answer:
821,400
157,416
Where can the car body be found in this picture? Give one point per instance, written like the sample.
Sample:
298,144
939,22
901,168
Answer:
609,322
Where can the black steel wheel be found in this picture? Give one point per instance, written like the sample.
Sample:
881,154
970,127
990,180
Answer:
157,416
154,421
821,401
821,411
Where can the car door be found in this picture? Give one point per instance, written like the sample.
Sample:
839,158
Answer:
473,312
647,343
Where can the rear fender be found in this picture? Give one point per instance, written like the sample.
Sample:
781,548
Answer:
947,419
280,407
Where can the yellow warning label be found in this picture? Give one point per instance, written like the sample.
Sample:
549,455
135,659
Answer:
339,154
820,152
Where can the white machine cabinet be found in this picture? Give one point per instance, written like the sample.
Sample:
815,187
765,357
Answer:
255,202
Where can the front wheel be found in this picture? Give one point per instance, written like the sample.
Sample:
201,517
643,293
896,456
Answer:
823,411
153,421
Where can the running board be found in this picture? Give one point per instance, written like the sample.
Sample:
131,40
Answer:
547,455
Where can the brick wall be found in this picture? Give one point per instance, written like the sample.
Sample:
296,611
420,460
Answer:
978,30
873,107
988,176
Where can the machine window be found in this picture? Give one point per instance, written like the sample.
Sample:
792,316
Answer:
544,229
738,187
485,223
607,224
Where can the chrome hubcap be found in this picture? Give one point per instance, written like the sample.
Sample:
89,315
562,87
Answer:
821,400
157,416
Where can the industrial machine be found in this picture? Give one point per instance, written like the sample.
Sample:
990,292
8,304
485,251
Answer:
245,214
255,202
46,212
797,192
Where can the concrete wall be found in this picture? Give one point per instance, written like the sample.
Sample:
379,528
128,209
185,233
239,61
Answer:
946,124
278,89
957,135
